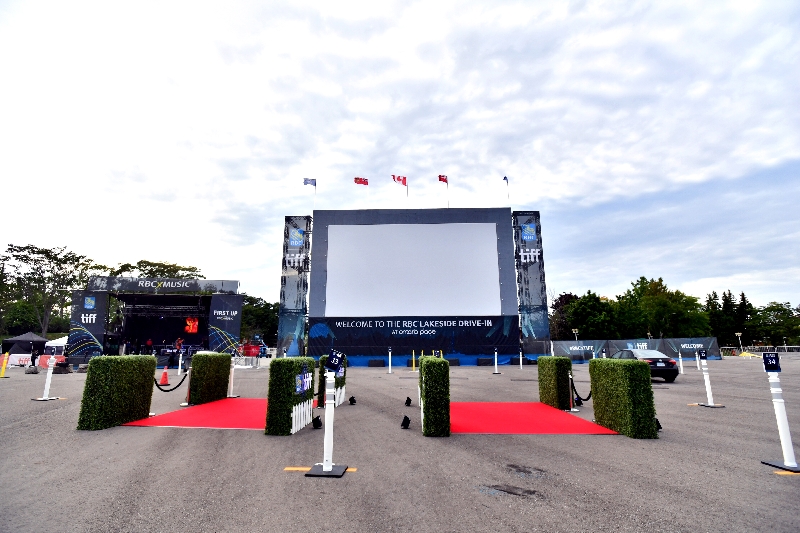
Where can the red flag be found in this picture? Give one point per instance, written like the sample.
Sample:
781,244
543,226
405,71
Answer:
399,179
361,181
442,178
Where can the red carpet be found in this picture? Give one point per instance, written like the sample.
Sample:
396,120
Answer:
518,419
229,413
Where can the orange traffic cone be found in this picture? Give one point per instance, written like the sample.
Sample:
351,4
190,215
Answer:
164,377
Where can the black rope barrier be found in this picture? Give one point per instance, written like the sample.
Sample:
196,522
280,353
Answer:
176,386
579,396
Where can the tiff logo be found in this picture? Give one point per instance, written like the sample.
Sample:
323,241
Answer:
89,318
294,260
529,256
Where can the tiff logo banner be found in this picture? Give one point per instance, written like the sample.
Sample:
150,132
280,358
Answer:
529,256
89,318
294,260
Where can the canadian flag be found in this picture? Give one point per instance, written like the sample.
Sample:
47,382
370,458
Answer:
443,178
361,181
399,179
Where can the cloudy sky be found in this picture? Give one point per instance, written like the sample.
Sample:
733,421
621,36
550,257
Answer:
657,138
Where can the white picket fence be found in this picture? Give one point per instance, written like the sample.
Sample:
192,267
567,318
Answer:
301,415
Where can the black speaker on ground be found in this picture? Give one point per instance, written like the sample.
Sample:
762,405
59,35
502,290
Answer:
515,361
408,401
376,362
485,361
406,421
352,400
453,362
316,422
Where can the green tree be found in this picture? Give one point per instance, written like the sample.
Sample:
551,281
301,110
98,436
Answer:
259,317
649,307
741,317
773,322
592,316
714,312
21,318
560,329
7,291
44,276
156,269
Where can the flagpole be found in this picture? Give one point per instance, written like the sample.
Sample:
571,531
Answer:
315,199
447,183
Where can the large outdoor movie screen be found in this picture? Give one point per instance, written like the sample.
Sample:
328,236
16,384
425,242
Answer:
432,279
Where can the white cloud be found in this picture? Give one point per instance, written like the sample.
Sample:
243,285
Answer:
182,132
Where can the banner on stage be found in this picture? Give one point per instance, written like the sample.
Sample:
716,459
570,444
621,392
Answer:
531,287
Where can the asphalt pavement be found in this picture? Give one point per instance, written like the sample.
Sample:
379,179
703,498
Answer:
703,473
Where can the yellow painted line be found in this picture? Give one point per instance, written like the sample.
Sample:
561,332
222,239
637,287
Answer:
783,473
307,468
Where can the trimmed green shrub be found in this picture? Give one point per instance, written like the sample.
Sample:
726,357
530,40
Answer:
281,396
554,389
434,386
340,381
117,390
623,397
211,372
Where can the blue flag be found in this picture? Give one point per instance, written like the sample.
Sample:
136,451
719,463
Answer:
309,181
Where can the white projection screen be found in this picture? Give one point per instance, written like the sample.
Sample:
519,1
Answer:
384,270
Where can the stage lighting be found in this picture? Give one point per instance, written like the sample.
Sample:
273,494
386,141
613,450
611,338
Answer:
405,423
408,401
352,400
316,422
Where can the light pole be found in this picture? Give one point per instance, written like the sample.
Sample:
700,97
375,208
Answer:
575,331
739,335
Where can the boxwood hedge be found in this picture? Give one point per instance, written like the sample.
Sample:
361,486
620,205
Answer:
340,381
434,385
554,389
117,390
211,372
281,396
623,397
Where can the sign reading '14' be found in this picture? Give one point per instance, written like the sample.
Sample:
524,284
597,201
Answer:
772,363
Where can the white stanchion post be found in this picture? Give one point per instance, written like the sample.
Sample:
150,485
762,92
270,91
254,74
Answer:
51,363
782,419
330,405
572,407
772,367
390,359
707,381
180,362
680,361
230,385
495,362
520,359
697,359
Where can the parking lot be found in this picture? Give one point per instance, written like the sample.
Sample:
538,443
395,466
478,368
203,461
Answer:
702,474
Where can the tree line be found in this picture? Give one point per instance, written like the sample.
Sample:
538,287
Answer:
36,287
649,309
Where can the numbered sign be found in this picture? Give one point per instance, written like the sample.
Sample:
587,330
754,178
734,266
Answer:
772,363
702,354
334,362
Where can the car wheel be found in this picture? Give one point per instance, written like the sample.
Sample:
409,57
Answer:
670,379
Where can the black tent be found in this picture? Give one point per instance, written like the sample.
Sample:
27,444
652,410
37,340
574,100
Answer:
19,350
27,341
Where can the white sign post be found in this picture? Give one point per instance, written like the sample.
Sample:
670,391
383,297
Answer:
772,367
390,359
50,364
327,468
495,362
702,358
230,385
